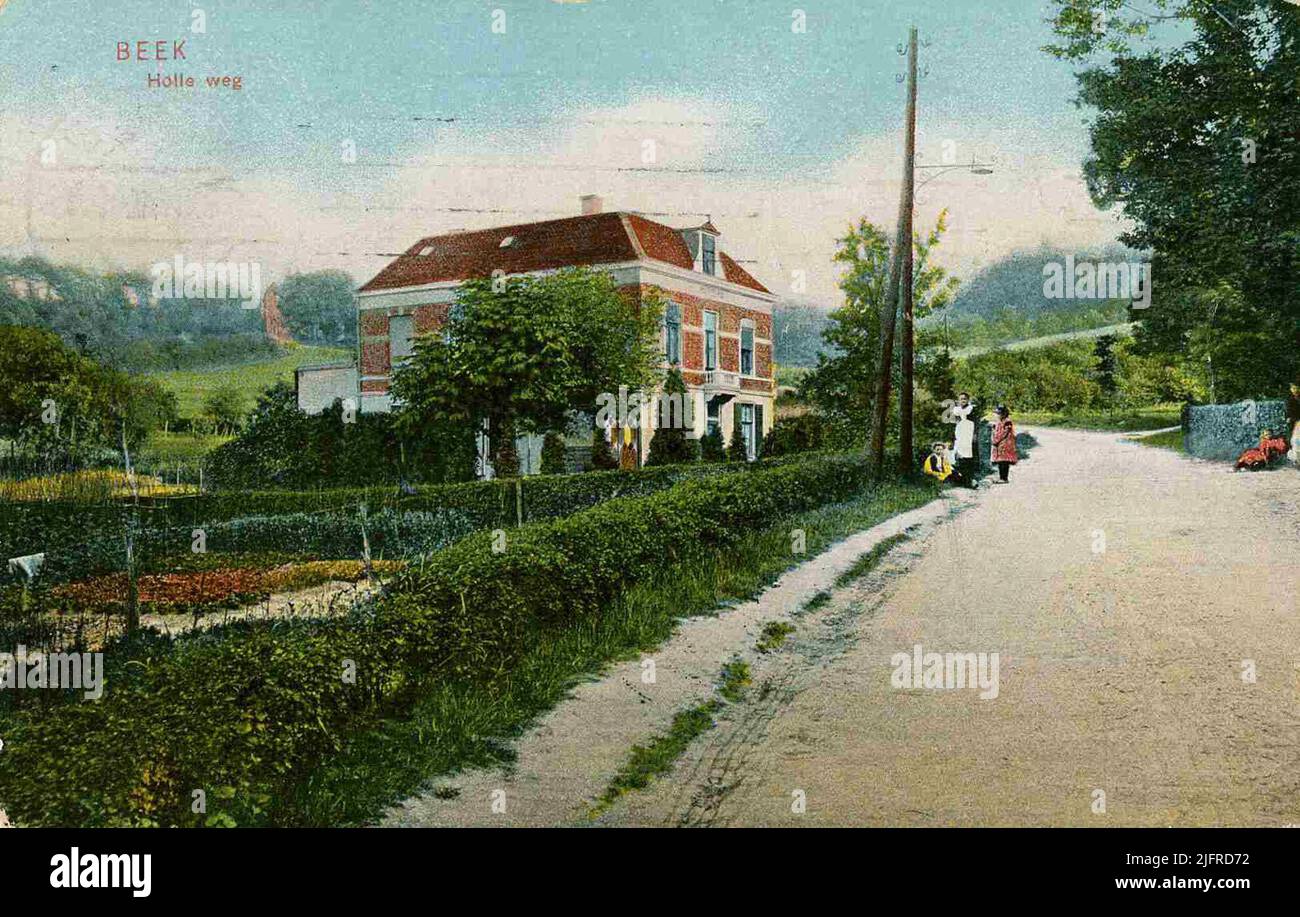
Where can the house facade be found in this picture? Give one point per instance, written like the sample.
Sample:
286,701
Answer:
717,326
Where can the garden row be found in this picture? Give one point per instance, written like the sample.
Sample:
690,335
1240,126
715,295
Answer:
82,539
243,711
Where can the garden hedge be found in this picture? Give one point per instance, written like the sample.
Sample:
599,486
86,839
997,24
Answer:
82,539
241,712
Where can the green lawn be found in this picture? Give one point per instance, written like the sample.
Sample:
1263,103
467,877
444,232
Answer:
191,386
1172,439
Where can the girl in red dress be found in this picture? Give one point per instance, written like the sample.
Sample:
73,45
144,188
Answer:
1004,443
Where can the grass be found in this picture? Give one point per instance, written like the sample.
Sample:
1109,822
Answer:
773,636
1130,420
162,452
1170,439
817,601
191,386
656,757
866,562
464,725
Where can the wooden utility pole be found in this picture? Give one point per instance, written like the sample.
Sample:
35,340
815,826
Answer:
907,391
902,244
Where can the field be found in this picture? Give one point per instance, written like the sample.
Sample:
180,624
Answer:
191,386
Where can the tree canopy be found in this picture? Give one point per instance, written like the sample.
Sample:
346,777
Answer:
520,353
1195,137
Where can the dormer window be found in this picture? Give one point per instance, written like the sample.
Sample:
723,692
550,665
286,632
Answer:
507,242
708,253
426,251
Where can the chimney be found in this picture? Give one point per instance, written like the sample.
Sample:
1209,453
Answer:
591,203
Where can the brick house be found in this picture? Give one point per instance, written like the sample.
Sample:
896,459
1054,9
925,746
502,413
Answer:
717,328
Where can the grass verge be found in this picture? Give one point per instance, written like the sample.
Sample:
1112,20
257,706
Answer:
1171,439
458,725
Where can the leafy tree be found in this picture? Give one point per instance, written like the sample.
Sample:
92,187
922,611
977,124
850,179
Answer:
58,407
670,445
319,307
518,355
1193,138
553,454
224,407
843,386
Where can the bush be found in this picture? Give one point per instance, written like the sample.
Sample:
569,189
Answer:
670,445
712,448
283,447
736,451
602,457
553,456
792,435
244,710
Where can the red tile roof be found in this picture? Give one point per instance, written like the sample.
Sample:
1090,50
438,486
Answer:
599,238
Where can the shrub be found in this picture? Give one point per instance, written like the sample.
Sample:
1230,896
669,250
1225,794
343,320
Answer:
670,445
602,457
736,451
712,448
553,454
245,709
791,435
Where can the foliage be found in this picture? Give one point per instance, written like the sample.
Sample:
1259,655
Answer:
799,433
224,408
1064,377
248,708
602,456
736,449
712,448
318,307
842,387
670,444
283,447
553,454
1209,179
58,407
93,315
519,354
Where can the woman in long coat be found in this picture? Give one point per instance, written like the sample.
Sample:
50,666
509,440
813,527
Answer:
1004,443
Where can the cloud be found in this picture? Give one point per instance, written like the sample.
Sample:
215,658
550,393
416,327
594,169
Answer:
113,199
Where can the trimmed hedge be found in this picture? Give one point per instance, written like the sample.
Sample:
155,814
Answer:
85,539
242,712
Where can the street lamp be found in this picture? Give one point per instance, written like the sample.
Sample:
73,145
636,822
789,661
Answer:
909,321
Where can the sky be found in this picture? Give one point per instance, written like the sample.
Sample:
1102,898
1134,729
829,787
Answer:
360,127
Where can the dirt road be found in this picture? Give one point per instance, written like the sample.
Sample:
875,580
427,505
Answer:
1144,609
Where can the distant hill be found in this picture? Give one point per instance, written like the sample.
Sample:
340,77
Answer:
797,327
1016,283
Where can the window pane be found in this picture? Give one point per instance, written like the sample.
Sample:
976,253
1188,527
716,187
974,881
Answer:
746,350
401,336
709,254
710,340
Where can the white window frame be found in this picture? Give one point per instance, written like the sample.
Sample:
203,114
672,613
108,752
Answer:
710,334
747,325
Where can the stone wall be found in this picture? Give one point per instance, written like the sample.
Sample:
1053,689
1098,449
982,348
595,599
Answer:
1224,431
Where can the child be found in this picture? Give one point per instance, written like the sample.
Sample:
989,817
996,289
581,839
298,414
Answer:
936,463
